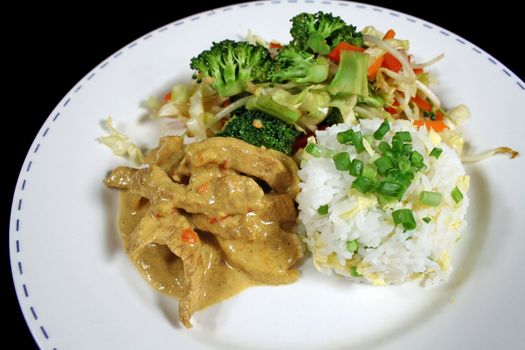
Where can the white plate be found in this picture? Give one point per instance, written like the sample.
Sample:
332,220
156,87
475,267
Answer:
78,290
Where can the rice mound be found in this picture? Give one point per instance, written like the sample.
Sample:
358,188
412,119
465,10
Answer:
386,254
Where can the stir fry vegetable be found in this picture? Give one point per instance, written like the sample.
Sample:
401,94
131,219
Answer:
329,73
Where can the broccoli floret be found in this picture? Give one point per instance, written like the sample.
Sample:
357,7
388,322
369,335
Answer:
231,65
321,32
299,67
260,129
348,34
311,31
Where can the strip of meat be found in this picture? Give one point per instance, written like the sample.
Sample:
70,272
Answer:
268,259
167,155
120,177
246,226
279,208
277,169
228,195
175,232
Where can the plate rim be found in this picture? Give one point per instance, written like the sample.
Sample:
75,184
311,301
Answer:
28,310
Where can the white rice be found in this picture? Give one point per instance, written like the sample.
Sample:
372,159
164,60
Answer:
386,254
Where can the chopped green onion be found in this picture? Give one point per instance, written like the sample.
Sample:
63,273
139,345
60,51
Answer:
436,152
352,246
457,196
407,178
342,161
389,188
382,130
323,209
345,137
313,149
389,173
383,164
318,151
397,145
384,147
357,140
397,176
357,167
427,220
404,217
369,171
403,164
403,136
417,159
362,184
432,199
389,154
384,200
353,272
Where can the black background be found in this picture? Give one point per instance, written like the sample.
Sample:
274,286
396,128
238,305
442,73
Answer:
51,48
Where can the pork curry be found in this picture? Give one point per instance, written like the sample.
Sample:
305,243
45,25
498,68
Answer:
206,220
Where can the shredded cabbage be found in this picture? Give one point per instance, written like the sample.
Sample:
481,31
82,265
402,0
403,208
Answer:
121,145
226,111
454,140
346,107
196,124
153,104
180,93
176,106
255,39
371,112
371,30
315,103
458,115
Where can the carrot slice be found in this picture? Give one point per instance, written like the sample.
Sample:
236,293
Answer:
436,125
421,103
342,46
372,70
392,63
390,34
202,188
392,108
189,236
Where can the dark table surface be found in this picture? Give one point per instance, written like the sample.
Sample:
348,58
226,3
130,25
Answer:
51,48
